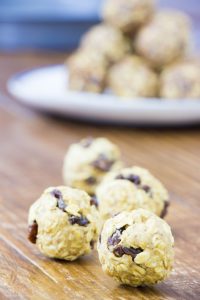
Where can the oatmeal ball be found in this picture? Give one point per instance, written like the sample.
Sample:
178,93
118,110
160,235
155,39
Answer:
87,71
64,223
164,39
173,20
87,162
132,77
129,189
107,41
127,15
181,80
136,248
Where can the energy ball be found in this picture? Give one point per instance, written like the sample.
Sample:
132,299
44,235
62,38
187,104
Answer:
87,162
181,80
132,77
136,248
164,39
63,223
128,15
174,20
129,189
87,71
107,41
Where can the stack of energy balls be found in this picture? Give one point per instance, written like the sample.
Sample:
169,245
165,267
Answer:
120,207
137,51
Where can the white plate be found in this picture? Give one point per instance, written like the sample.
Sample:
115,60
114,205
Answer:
46,89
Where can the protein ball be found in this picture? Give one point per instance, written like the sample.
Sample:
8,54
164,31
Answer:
129,189
136,248
107,41
164,39
181,80
87,71
128,15
87,162
174,19
63,223
132,77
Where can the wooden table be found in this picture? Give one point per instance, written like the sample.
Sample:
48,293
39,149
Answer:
32,149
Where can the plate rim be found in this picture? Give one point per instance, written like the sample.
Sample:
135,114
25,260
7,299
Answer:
150,105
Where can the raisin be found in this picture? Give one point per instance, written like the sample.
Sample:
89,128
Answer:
115,238
146,188
133,178
57,194
102,163
92,244
81,221
60,202
133,252
87,142
94,201
165,209
91,180
120,176
100,238
32,232
119,251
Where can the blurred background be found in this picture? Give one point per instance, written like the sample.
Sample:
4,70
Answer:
59,24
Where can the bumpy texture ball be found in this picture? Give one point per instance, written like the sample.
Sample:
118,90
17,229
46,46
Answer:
129,189
127,15
181,80
87,162
87,71
164,39
132,77
107,41
64,223
173,20
136,248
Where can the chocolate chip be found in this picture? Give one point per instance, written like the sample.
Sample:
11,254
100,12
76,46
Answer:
92,244
93,201
100,238
91,180
87,142
81,221
119,251
115,238
32,232
165,209
102,163
146,188
60,203
133,178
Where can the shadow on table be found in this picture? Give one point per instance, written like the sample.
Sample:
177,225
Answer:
94,123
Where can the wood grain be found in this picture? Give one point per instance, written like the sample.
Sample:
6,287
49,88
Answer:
32,149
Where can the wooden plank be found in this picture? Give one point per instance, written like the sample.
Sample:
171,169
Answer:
22,280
